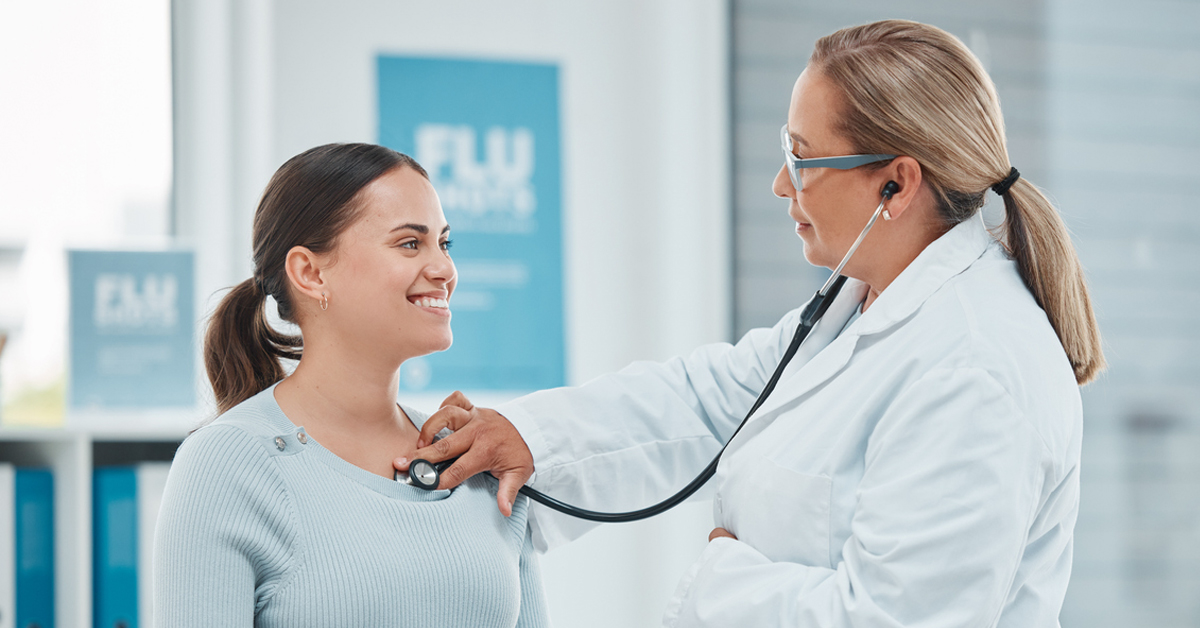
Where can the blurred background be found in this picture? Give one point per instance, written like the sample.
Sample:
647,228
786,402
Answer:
155,124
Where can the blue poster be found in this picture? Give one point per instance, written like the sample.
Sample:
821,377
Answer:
488,133
131,321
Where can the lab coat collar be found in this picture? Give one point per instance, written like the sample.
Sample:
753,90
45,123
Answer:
942,260
826,351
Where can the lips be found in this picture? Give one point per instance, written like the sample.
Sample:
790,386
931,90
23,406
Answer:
795,213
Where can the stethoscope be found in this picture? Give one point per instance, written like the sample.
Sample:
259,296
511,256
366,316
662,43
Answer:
426,475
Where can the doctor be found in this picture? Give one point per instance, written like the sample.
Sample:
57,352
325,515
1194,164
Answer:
918,463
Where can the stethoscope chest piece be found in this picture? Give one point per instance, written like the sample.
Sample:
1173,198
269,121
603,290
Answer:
424,474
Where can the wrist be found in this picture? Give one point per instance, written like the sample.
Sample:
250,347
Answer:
531,434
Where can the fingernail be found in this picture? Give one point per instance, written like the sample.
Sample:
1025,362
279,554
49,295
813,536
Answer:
401,461
420,443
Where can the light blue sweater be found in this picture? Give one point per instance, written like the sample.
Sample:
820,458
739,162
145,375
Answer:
261,525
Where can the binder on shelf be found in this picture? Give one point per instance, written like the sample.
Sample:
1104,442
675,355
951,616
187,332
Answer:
151,482
114,547
125,509
8,544
33,524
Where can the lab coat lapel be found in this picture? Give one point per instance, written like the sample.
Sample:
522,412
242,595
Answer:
822,354
826,352
826,330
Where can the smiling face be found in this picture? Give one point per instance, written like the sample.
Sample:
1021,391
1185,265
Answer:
390,276
834,205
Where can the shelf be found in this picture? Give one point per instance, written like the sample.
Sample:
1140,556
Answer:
72,452
37,434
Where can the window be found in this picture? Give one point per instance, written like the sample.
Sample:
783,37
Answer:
85,162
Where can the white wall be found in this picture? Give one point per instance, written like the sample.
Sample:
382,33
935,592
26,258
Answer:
644,103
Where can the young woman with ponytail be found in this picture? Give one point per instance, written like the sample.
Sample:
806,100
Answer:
283,511
918,462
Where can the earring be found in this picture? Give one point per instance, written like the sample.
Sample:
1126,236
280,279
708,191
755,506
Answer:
887,215
324,302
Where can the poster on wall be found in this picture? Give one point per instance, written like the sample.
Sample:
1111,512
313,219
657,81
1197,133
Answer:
488,134
131,329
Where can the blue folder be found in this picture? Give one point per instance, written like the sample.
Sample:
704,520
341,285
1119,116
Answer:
34,527
114,546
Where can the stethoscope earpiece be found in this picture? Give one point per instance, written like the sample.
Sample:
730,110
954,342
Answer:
889,190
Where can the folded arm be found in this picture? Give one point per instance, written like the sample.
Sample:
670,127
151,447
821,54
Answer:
951,484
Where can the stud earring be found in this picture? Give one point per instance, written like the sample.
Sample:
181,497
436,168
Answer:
887,215
324,302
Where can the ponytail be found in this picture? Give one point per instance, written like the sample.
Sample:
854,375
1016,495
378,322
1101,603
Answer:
916,90
1038,242
309,202
242,350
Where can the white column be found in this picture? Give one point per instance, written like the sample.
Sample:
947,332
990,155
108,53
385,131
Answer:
203,194
253,161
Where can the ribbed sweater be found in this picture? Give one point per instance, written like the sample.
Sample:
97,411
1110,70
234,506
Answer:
261,525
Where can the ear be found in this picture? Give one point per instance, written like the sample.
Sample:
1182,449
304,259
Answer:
304,270
906,172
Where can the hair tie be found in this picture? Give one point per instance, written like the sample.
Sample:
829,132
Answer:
1002,187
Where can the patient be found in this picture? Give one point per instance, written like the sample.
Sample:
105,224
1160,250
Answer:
283,511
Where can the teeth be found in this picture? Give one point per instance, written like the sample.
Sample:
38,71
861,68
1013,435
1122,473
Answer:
427,302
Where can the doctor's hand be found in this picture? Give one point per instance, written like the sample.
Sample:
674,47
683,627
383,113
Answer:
484,441
720,532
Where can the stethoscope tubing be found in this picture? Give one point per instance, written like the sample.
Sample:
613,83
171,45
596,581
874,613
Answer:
812,313
808,318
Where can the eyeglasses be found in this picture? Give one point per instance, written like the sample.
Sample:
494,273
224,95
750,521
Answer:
845,162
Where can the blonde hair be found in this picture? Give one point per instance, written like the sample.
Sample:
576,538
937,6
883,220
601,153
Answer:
914,89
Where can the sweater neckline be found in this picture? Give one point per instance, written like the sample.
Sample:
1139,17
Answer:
389,488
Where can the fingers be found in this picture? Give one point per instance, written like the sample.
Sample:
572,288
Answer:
466,467
454,414
720,532
452,417
510,484
458,399
483,440
453,445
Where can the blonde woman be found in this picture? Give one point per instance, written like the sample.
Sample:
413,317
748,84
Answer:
918,463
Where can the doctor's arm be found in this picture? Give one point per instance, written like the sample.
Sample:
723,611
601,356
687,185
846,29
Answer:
951,484
620,441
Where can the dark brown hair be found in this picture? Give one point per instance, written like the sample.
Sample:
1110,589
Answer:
914,89
309,202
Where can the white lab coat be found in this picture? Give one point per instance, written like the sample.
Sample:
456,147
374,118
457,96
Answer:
921,468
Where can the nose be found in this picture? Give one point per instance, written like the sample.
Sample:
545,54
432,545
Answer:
441,269
782,187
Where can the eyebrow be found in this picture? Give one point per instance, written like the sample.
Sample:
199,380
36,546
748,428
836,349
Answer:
797,139
422,229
